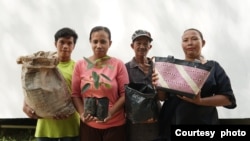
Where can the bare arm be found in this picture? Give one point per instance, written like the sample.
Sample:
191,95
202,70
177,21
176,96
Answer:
116,107
216,100
78,104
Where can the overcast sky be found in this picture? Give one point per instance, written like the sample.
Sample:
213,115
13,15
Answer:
28,26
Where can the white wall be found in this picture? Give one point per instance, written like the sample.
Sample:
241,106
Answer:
27,26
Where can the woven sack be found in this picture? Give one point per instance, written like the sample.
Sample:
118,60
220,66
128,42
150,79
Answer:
44,88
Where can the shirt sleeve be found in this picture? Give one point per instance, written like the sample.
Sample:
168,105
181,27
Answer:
223,84
122,77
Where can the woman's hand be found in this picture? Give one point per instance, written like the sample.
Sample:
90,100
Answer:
87,118
215,100
196,100
105,120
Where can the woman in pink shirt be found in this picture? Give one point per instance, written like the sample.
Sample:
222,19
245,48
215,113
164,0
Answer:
100,76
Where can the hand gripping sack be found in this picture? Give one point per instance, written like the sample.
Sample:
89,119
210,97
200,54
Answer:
140,103
44,88
181,77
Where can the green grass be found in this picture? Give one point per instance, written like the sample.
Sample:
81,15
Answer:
11,134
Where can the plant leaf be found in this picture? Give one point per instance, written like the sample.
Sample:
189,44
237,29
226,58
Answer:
110,67
101,59
98,60
90,64
96,78
103,65
85,87
107,85
105,76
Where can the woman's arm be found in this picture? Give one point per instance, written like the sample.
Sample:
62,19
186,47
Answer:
116,107
215,100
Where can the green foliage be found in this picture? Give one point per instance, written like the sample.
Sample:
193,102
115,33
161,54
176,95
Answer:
90,64
103,75
9,134
85,87
96,77
98,62
107,85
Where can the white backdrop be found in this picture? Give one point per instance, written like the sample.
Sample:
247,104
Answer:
27,26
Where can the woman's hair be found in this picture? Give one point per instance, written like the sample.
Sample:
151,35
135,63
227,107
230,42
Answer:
201,56
66,33
196,31
98,28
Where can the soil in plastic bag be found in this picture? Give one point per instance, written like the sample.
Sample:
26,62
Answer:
102,108
97,107
89,106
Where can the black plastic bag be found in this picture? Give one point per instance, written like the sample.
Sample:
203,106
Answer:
102,108
89,106
141,104
97,107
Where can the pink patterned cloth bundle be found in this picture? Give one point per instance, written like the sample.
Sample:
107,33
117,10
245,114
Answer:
180,76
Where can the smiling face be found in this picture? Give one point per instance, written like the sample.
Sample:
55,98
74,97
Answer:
65,47
141,46
192,43
100,43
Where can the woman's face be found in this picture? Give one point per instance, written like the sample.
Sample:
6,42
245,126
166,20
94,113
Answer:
100,43
192,44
